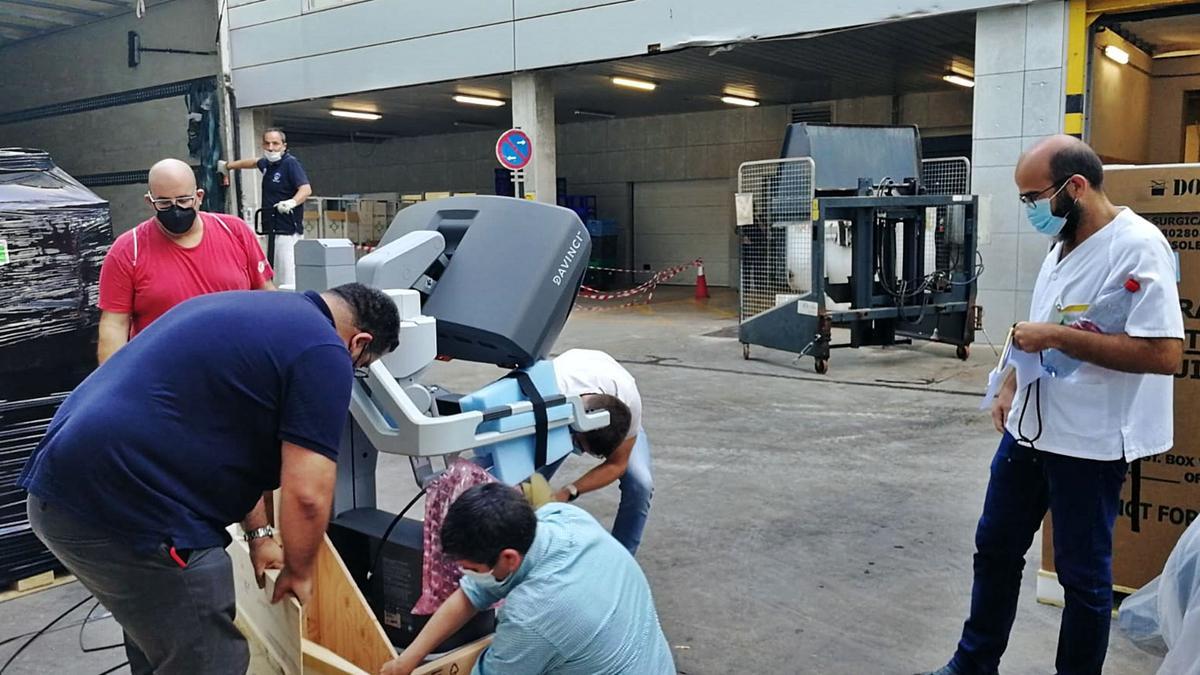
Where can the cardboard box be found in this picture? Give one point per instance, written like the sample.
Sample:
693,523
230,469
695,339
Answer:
1167,195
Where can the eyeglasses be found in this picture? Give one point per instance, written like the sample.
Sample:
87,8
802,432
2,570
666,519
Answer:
1031,198
164,203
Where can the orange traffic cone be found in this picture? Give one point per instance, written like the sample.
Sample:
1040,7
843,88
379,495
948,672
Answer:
701,282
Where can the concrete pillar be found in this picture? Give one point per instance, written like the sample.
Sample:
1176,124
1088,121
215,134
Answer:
251,125
1020,57
533,113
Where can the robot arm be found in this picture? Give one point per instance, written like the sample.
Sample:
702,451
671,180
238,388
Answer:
394,424
484,279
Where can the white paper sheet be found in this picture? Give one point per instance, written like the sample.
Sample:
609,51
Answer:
1028,366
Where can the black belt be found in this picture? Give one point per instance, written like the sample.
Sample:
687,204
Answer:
540,419
1135,495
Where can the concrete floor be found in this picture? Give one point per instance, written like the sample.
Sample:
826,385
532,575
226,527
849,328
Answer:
801,523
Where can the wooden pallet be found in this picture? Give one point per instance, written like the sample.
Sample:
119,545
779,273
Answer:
36,583
1050,592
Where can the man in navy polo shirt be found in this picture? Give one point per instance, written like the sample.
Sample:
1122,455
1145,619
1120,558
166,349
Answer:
284,189
179,434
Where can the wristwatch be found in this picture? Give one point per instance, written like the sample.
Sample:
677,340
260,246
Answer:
572,492
259,533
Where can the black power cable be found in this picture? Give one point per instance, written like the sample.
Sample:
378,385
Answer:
43,630
387,533
65,626
86,621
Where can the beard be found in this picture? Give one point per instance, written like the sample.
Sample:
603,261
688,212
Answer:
1071,226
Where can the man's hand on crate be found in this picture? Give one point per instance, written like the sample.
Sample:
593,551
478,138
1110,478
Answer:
289,583
265,554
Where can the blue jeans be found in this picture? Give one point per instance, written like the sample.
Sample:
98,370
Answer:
1083,497
637,489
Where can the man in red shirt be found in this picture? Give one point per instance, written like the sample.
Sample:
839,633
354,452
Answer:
178,254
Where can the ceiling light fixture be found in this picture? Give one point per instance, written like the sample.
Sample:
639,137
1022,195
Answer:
960,80
463,124
1117,54
738,100
356,115
634,84
478,100
580,112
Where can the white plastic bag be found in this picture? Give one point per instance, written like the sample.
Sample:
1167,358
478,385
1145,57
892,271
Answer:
1166,612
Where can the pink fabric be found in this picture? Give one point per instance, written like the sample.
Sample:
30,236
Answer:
440,575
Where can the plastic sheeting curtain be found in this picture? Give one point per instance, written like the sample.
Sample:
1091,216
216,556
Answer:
1165,614
204,141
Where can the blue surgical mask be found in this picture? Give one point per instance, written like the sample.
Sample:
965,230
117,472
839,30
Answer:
484,580
1042,217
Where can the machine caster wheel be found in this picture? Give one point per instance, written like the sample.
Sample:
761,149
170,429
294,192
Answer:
821,366
745,351
963,352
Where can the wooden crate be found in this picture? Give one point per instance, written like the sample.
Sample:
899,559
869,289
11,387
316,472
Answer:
335,634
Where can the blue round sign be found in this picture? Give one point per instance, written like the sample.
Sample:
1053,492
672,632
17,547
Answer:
514,150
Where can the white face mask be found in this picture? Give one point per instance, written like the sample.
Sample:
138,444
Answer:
484,580
273,157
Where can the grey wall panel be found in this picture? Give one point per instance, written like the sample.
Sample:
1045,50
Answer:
596,34
92,60
363,25
626,29
530,8
396,64
264,11
115,139
547,33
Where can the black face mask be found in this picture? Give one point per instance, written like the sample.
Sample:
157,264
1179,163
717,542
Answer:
177,220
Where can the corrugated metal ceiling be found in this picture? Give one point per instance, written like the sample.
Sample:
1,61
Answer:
24,19
1166,34
893,58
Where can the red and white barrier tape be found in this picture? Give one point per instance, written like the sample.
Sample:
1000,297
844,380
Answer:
646,288
593,294
620,269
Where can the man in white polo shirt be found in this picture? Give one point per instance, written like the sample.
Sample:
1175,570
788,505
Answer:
1068,441
605,385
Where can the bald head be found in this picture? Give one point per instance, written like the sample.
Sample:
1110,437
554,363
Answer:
1065,172
172,178
1055,160
174,197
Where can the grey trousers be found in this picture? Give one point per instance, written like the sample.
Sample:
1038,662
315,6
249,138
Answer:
176,619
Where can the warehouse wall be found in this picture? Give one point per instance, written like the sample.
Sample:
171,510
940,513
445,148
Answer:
447,163
1119,128
1173,78
91,60
605,158
939,113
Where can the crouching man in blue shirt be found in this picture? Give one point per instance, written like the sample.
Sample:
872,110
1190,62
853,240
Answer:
179,434
576,602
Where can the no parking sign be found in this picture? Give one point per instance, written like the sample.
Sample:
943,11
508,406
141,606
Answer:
514,149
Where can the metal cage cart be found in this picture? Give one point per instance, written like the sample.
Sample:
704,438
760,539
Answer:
853,230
